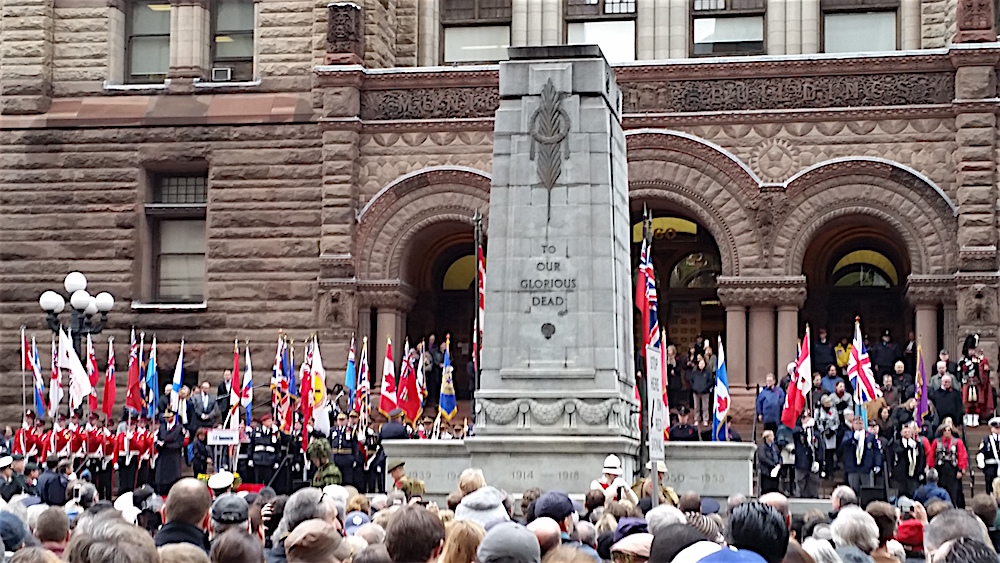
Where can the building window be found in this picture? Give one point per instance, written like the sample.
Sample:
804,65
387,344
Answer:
232,40
177,221
148,45
475,30
859,32
727,27
610,24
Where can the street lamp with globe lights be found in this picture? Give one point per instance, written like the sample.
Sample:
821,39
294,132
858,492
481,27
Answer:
83,306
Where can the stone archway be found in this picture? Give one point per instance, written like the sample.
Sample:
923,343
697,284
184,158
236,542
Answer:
416,213
884,207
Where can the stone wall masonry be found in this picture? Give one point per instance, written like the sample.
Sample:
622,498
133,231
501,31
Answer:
380,33
263,224
285,56
339,192
25,56
406,33
80,51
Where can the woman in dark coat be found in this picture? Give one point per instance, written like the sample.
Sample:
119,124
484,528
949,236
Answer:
169,445
201,453
768,462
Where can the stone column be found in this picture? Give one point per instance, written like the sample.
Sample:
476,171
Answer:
909,20
645,31
926,329
534,22
810,26
364,322
793,28
552,23
26,52
661,29
774,41
518,23
761,352
736,344
950,327
679,21
386,319
788,335
429,33
189,40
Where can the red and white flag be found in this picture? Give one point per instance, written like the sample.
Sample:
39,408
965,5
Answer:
387,399
798,387
408,394
110,388
92,374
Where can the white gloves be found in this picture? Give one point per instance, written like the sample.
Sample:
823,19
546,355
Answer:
815,467
775,471
981,460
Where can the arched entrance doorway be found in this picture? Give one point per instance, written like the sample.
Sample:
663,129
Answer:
856,266
687,261
442,270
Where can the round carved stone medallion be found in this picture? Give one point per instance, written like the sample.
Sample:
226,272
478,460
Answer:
774,159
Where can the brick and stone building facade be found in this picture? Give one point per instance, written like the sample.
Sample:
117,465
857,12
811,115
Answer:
334,189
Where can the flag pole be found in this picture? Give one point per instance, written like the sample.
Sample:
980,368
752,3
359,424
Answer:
477,224
24,391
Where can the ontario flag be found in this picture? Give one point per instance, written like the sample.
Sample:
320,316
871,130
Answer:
645,297
29,359
859,370
55,382
387,398
133,391
235,391
408,394
798,388
92,374
109,380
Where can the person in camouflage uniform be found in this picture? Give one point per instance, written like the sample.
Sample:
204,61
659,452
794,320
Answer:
326,472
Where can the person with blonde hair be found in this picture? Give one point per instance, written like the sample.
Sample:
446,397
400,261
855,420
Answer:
471,480
461,540
358,503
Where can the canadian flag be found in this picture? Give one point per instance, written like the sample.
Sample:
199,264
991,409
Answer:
798,387
387,400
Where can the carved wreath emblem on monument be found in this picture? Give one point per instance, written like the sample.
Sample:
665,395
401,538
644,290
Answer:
548,128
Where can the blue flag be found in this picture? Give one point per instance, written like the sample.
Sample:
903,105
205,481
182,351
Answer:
152,383
447,403
719,424
350,378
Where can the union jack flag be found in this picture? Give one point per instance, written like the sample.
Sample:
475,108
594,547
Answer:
859,370
646,296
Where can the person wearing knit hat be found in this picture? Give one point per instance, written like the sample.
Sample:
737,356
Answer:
628,526
705,525
483,506
316,541
12,531
509,543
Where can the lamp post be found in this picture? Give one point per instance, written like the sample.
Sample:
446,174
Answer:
83,307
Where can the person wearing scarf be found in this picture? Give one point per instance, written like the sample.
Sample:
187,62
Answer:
908,461
951,460
862,456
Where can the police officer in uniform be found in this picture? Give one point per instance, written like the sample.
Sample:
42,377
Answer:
988,457
344,450
683,431
265,451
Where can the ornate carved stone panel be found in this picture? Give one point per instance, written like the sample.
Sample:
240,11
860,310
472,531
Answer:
763,291
975,22
430,103
790,92
345,34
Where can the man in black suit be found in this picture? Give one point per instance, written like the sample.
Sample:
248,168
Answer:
203,409
225,390
394,429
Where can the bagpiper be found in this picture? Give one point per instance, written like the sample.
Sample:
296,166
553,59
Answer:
974,370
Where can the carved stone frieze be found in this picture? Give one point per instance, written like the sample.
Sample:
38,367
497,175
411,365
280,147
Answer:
390,294
930,290
762,291
789,92
430,103
573,413
345,34
775,159
337,306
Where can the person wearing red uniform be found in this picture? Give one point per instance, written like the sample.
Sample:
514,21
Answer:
58,439
127,453
144,442
77,442
104,484
24,441
38,437
951,459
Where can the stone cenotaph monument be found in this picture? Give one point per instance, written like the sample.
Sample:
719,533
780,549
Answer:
556,393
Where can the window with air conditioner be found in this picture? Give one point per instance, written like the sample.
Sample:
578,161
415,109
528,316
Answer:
232,40
147,47
741,35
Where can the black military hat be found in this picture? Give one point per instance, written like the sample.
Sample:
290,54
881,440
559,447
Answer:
17,457
31,466
396,413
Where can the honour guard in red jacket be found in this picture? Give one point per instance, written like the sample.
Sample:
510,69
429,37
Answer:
24,442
